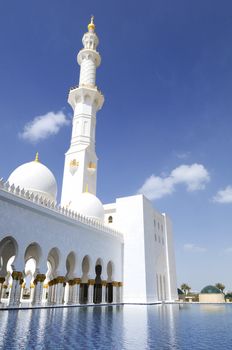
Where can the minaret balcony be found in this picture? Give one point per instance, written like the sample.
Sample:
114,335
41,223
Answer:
83,93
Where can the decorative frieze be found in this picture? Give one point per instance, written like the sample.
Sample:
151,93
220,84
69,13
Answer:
42,201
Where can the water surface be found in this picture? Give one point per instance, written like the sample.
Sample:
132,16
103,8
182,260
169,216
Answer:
119,327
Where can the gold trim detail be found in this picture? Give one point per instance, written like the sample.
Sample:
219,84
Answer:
92,165
17,275
91,25
37,157
73,163
91,282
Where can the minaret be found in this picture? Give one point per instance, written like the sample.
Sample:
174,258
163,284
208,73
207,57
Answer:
80,168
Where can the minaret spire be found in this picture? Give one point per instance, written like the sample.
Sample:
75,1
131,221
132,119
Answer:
85,99
37,157
91,25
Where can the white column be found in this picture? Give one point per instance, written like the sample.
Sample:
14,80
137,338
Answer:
60,290
53,294
104,292
76,287
120,284
38,290
15,289
70,292
90,291
59,296
115,286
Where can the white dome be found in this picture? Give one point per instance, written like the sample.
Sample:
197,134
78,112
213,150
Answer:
88,205
36,178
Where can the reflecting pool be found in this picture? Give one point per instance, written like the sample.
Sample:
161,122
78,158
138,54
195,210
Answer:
119,327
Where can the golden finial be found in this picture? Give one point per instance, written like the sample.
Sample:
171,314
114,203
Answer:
87,188
37,157
91,25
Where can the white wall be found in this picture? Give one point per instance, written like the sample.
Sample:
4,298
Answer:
130,223
171,261
28,222
149,262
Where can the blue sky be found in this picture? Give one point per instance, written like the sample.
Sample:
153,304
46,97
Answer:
166,75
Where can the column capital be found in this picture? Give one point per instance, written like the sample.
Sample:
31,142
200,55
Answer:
17,275
2,279
115,284
91,282
60,279
77,280
104,283
39,278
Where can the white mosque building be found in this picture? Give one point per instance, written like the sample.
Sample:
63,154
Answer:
81,251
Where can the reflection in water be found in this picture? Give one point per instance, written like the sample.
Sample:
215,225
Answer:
212,308
135,333
119,327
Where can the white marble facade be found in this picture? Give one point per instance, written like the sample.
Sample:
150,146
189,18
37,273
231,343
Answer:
81,251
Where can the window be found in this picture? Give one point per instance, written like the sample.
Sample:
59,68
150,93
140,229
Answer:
154,223
162,241
155,237
158,226
159,239
110,220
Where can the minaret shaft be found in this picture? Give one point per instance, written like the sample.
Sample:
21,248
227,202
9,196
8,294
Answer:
80,169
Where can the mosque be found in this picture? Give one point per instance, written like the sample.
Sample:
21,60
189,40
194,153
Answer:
81,251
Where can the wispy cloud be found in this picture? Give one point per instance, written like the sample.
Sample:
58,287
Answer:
43,126
182,155
228,250
224,196
194,177
190,247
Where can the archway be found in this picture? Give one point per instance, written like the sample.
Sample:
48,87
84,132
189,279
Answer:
8,252
8,249
28,286
70,265
97,293
32,257
54,260
71,289
84,286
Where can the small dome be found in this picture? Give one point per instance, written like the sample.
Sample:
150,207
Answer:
35,178
210,290
88,205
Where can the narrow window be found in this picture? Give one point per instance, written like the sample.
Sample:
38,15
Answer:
110,219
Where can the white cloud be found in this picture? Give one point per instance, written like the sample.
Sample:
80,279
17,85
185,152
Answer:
228,250
43,126
194,177
224,196
190,247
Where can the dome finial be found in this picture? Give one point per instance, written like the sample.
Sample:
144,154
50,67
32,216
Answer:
91,25
37,157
